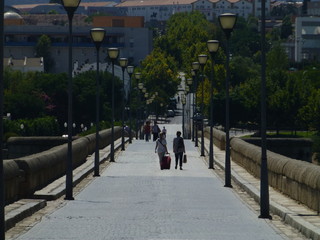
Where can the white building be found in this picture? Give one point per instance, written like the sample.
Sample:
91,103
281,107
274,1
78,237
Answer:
307,39
161,10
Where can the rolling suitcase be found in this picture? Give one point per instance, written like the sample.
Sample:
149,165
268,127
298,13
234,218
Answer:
165,163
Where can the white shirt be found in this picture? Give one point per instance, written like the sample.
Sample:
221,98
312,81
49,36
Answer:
161,145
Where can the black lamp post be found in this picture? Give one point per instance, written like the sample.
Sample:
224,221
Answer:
193,73
143,92
97,36
213,46
2,194
113,54
190,82
70,6
183,101
130,70
227,22
202,60
137,76
195,68
264,184
123,63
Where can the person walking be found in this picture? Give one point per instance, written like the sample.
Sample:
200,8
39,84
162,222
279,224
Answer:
178,149
147,130
155,131
164,131
161,148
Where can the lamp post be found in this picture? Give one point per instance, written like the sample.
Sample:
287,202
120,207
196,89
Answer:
113,54
137,75
123,63
70,6
193,73
143,92
195,67
227,22
130,70
190,82
183,101
202,60
97,36
264,184
213,46
2,194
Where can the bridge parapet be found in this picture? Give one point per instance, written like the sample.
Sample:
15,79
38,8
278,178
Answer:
298,179
25,175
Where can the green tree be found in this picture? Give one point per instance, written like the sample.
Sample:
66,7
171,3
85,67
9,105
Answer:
42,49
159,74
286,27
185,31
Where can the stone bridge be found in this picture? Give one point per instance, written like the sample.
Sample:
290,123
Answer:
134,199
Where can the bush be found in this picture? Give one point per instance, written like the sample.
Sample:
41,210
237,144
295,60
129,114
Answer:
46,126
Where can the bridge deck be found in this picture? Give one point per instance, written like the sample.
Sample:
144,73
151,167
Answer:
134,199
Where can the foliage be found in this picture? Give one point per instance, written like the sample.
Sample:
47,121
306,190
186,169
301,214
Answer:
42,49
284,9
286,27
46,126
185,37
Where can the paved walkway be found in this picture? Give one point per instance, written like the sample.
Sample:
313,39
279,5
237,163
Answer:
134,200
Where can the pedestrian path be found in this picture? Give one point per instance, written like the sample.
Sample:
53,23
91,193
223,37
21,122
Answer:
134,200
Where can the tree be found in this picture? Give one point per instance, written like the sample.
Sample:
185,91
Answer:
159,74
42,49
286,27
184,32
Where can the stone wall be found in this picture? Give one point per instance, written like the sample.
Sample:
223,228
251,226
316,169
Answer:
299,180
25,175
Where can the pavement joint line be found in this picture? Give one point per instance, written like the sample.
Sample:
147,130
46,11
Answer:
24,208
288,216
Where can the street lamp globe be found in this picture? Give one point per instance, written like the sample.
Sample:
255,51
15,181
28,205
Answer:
123,62
113,53
130,70
189,81
213,46
140,85
227,22
202,58
70,3
137,75
195,66
97,36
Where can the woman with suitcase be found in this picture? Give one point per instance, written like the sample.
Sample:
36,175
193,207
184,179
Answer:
161,149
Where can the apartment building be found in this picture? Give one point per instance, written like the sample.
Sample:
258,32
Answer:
161,10
307,38
134,41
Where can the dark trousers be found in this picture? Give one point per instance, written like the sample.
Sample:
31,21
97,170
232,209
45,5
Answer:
179,158
155,136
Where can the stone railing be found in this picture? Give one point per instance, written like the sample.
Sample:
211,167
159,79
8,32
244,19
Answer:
299,180
24,175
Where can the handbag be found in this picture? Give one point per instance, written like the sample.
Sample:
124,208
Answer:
184,158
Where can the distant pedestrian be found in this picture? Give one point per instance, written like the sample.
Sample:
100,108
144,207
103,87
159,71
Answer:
161,147
147,130
178,149
164,131
155,131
